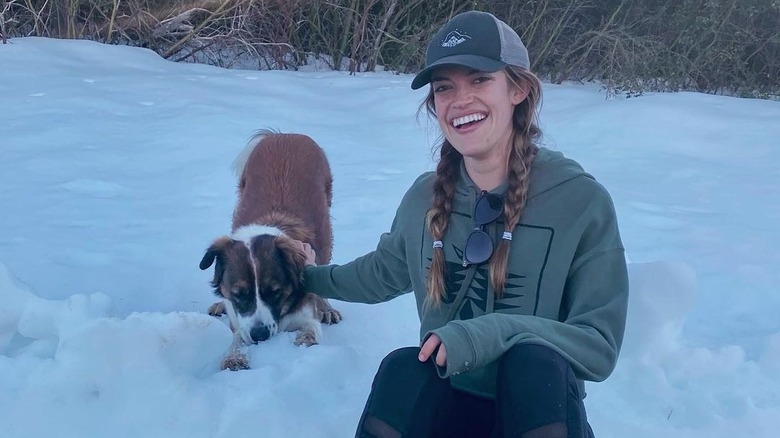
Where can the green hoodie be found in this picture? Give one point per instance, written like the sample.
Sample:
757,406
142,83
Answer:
567,285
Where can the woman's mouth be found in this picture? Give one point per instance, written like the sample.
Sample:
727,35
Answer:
467,121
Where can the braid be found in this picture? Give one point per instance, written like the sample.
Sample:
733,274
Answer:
521,155
438,217
518,173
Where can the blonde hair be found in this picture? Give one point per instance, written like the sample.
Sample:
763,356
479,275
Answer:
526,134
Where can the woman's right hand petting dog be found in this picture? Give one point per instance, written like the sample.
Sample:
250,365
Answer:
311,255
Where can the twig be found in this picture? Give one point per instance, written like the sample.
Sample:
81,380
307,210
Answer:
176,47
6,8
380,33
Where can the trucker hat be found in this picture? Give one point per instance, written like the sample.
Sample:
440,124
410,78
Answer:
473,39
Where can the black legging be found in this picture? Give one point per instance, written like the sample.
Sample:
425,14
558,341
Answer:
536,397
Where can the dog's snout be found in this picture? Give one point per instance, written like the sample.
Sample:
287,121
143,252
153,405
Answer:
260,333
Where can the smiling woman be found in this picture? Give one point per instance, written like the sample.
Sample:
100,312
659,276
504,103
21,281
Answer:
512,251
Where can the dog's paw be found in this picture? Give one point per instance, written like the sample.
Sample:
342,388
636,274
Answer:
329,315
235,362
307,338
217,309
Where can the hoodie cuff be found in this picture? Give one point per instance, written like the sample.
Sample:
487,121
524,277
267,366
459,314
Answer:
461,355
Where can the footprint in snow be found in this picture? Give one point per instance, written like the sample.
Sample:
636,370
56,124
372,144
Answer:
93,187
383,175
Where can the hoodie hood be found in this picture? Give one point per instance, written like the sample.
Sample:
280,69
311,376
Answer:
551,169
548,170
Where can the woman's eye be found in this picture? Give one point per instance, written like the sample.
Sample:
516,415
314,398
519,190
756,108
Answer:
440,88
481,79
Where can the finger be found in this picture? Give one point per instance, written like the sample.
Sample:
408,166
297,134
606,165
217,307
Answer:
428,347
311,255
308,252
441,356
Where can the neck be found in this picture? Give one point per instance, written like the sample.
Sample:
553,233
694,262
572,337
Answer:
487,173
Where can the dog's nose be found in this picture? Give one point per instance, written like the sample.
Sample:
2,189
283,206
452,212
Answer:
260,333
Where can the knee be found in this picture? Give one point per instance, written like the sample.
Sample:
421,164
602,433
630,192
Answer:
530,359
399,362
400,356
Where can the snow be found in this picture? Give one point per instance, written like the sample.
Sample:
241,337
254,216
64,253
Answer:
116,177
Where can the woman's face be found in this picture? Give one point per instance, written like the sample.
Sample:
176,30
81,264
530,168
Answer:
474,110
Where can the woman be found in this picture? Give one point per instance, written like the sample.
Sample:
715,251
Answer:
513,253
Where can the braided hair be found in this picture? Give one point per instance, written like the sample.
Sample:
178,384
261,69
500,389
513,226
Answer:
526,134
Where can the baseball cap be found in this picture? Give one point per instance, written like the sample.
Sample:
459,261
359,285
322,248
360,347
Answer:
473,39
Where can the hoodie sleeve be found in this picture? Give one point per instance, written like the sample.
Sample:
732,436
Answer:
590,332
384,273
373,278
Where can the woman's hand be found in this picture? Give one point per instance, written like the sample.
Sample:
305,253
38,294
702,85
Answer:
311,255
429,346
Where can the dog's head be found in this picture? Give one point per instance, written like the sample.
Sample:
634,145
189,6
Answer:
259,278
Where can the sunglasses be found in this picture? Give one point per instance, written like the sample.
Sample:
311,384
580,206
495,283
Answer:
479,244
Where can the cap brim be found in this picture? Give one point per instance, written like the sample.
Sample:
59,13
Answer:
473,61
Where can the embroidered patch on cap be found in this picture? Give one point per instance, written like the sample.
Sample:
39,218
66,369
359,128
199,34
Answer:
454,38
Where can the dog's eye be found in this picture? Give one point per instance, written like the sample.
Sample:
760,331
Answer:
272,293
241,294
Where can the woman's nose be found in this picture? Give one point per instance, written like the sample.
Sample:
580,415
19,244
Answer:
463,96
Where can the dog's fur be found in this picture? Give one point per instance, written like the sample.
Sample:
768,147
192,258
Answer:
284,193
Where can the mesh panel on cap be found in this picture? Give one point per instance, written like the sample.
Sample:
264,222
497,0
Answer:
513,50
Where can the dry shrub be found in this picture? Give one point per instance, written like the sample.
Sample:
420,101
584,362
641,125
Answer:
716,46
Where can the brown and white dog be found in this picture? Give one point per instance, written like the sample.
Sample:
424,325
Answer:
284,193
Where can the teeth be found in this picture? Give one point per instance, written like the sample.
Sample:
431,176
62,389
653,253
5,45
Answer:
466,119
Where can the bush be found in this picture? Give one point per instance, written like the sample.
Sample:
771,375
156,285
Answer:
714,46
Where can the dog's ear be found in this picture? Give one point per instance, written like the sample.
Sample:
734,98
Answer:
216,252
295,260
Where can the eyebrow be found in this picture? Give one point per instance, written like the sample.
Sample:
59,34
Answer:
445,78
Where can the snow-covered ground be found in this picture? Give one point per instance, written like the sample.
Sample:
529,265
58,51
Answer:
115,176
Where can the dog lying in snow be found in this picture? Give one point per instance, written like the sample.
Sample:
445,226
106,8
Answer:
284,193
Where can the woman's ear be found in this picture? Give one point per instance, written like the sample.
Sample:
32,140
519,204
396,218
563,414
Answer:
520,92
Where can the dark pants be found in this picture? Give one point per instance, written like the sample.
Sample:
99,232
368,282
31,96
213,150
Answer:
537,397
